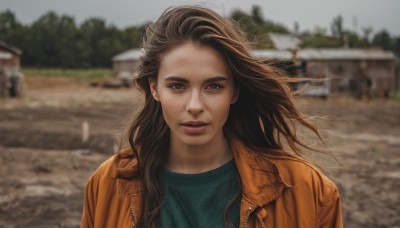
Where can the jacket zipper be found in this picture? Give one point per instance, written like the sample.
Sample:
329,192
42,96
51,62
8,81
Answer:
246,220
133,214
260,220
251,209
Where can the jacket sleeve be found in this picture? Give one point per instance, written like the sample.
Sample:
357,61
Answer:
90,202
331,212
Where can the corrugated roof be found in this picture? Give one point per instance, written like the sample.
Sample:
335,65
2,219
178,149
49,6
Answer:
328,54
344,54
284,41
132,54
302,54
10,48
272,54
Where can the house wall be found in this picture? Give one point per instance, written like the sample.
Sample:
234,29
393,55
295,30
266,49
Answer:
7,67
14,61
121,66
376,77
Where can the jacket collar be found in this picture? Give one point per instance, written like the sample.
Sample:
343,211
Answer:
261,180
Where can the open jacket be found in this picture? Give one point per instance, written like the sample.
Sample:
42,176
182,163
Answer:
280,191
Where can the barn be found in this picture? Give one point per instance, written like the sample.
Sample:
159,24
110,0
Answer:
11,80
360,72
126,63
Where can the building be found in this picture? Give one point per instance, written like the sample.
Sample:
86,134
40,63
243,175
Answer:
284,41
11,80
10,57
126,63
359,72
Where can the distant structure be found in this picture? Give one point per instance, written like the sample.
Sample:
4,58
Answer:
285,41
126,63
11,80
360,72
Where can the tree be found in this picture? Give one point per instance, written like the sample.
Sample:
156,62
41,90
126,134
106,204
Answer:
102,41
44,41
70,46
8,23
256,27
132,36
256,15
337,27
56,41
396,46
355,41
367,31
93,30
382,39
318,38
11,30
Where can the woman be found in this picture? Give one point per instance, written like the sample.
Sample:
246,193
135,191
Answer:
208,147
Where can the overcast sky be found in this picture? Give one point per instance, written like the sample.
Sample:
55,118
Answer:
379,14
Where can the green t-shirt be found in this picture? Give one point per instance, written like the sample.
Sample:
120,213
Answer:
199,200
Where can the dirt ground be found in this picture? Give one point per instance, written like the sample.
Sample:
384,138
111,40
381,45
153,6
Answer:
44,162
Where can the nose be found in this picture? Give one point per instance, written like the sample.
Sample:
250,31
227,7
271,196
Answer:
195,105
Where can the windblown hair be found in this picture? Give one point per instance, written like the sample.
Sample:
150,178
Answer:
263,117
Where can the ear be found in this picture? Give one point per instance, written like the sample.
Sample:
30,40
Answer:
153,88
235,96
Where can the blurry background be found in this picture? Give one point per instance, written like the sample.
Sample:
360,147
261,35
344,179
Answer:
66,92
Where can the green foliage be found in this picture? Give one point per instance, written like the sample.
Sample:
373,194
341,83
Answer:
342,37
57,41
382,39
319,39
395,95
53,41
355,41
256,27
10,28
82,74
396,45
337,27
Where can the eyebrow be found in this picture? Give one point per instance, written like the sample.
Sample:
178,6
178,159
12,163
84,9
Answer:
209,80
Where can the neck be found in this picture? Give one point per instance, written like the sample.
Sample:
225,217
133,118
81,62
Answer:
190,159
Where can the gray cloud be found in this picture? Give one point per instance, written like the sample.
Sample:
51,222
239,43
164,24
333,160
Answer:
308,13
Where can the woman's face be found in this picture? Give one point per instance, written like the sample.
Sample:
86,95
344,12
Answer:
195,90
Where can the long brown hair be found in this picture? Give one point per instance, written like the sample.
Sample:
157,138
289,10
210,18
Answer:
263,118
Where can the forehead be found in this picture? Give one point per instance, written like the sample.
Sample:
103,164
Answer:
193,62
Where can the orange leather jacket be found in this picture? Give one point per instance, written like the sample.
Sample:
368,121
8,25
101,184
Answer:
280,191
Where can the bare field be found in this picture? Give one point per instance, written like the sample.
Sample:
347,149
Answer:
44,164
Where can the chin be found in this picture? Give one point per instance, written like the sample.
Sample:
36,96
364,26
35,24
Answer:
195,140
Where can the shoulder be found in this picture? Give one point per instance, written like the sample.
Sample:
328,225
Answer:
308,182
103,175
299,171
110,169
295,171
104,186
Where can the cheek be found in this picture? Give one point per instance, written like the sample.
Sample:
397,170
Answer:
220,108
170,108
